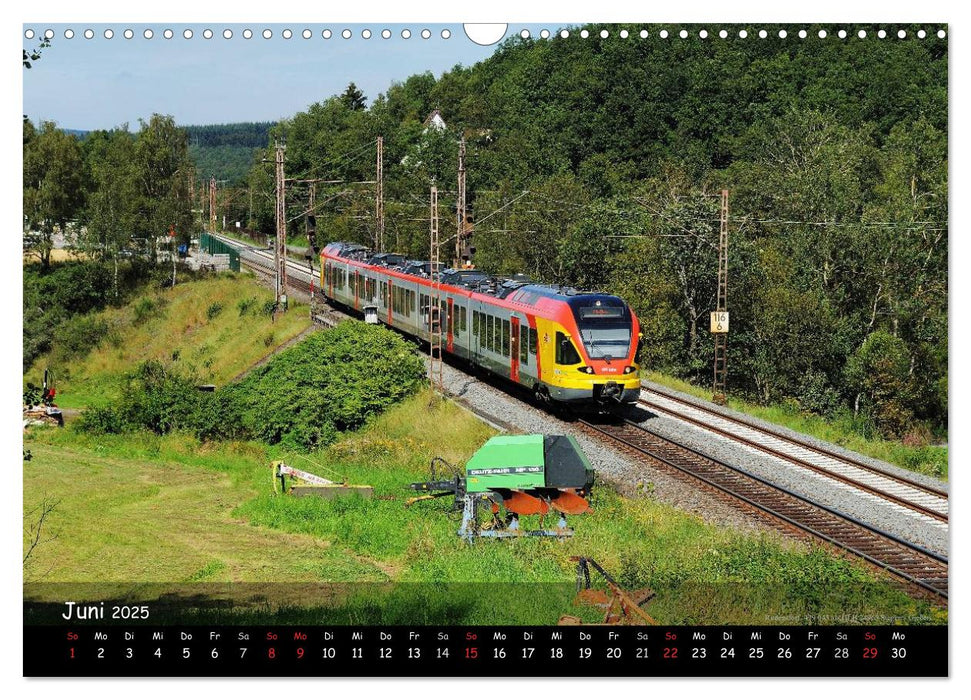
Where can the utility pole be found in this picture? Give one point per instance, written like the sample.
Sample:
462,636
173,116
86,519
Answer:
379,197
280,249
435,372
310,212
719,318
460,242
192,197
212,204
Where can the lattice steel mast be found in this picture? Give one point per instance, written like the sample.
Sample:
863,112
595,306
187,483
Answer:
435,370
721,307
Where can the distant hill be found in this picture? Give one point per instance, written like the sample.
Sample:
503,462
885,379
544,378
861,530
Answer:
226,150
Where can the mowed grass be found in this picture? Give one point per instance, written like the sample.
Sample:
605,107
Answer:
926,459
148,508
198,325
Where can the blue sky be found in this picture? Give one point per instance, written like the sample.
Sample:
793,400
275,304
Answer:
97,83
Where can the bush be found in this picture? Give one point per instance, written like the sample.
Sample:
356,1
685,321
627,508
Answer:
269,307
100,420
147,308
214,310
32,394
879,371
77,336
332,381
245,305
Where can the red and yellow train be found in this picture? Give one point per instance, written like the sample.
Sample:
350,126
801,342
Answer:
563,345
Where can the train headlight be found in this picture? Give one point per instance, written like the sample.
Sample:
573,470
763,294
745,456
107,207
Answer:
585,370
630,369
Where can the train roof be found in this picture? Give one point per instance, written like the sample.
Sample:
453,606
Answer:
515,291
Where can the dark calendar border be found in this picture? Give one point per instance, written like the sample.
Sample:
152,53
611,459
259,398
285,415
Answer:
320,651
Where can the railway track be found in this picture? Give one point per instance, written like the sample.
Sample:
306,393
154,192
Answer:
298,275
928,502
918,567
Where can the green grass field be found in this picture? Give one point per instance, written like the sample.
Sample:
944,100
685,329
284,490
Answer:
199,324
926,459
144,508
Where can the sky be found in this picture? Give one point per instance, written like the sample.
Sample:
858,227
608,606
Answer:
100,83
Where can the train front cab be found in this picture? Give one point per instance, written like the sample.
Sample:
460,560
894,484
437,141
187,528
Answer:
590,358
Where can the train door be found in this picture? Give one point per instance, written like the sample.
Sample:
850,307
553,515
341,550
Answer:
354,289
450,325
389,300
514,349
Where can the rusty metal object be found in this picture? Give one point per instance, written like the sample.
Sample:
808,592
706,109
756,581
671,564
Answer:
620,607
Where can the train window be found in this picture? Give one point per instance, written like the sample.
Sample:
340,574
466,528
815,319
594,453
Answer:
463,318
475,324
533,340
490,326
566,354
505,337
523,343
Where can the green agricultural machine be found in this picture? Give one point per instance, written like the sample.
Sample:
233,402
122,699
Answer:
513,476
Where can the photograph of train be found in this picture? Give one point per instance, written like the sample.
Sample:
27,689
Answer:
573,325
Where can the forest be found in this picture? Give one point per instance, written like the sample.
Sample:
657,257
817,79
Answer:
597,163
225,151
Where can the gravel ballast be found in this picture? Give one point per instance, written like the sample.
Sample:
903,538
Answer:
893,518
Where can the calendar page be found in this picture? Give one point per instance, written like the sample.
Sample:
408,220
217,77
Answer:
403,349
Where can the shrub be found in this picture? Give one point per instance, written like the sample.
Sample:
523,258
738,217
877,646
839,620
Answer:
32,394
77,336
245,305
100,420
147,308
269,307
214,310
268,339
332,381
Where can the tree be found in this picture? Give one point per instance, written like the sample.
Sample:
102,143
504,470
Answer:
162,171
111,214
53,188
353,98
879,372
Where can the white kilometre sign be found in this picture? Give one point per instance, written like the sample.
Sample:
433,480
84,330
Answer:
719,322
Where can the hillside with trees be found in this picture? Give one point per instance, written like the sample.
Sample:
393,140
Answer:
226,150
594,162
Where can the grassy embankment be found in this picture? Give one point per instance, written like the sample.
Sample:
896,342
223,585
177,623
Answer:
213,328
169,509
926,459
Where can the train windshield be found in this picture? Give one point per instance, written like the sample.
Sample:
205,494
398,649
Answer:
604,323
